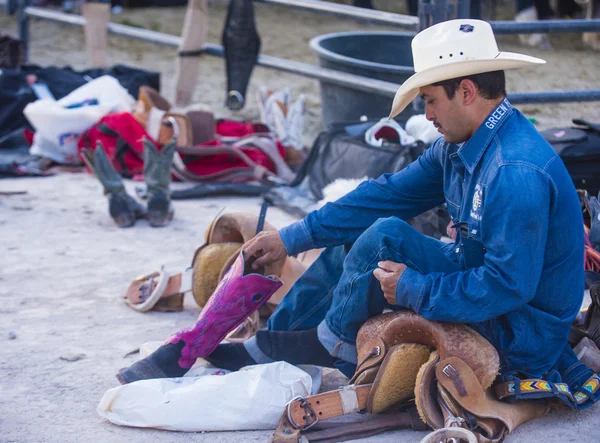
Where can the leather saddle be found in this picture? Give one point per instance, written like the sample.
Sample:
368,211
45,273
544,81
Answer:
447,368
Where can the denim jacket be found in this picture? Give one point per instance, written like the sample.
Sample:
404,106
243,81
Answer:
519,243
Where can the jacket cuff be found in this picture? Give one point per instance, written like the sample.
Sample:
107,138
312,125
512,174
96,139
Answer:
409,290
296,238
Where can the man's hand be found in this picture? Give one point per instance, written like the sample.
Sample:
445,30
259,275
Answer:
266,247
388,273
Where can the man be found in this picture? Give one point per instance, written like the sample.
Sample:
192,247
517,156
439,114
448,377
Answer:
515,271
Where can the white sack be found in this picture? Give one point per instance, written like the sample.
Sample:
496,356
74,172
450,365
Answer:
251,398
61,127
422,129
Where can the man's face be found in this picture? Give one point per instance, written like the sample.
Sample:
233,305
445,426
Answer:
447,115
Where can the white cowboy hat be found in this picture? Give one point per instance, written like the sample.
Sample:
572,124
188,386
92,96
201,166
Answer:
452,49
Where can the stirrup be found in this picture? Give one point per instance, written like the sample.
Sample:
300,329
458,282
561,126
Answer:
169,284
455,433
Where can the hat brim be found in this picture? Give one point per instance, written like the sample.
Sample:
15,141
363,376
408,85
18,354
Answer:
504,60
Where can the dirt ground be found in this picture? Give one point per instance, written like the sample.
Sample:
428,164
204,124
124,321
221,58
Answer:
64,263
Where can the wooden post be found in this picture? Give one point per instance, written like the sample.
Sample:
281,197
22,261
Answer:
193,36
97,16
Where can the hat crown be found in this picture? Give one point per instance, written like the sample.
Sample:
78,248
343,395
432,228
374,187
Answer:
453,41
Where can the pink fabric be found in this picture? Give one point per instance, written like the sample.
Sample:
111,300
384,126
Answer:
236,297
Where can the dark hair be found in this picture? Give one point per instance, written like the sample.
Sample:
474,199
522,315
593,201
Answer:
491,85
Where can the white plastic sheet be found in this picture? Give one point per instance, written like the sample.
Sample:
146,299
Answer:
251,398
57,127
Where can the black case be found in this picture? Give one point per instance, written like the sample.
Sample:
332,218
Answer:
579,149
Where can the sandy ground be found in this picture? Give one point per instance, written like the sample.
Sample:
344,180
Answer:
65,264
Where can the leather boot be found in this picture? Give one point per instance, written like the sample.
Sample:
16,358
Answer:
157,175
97,16
122,208
238,295
241,44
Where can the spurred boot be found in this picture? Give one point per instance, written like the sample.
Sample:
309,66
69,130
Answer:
157,175
122,208
241,46
239,294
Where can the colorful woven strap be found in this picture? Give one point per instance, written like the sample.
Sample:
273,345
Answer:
591,387
543,388
531,386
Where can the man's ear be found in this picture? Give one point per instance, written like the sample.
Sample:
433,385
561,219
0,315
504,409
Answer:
468,91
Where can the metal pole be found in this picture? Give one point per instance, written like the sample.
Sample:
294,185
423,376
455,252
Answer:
590,95
546,26
463,9
361,14
23,18
10,6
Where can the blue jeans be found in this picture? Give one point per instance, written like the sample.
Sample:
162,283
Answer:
338,293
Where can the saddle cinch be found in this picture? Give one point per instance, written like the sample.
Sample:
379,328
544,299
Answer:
448,369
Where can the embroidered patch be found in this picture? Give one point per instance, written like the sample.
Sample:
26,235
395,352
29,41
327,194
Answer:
477,202
477,198
466,28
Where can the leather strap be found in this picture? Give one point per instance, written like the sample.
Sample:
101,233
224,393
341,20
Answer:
531,386
254,170
194,53
302,413
337,432
268,146
593,126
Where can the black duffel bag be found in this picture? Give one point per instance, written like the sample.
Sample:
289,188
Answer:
342,153
579,149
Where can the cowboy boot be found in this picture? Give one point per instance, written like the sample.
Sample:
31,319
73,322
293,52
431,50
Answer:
238,295
157,175
241,44
122,208
97,16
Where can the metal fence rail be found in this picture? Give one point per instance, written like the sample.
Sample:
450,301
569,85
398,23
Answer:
361,14
290,66
412,23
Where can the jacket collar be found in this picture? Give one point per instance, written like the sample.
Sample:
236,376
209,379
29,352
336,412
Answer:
473,149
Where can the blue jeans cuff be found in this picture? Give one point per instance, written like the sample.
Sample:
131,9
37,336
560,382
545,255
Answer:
337,347
252,348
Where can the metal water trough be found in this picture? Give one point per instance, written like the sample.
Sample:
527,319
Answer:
352,52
